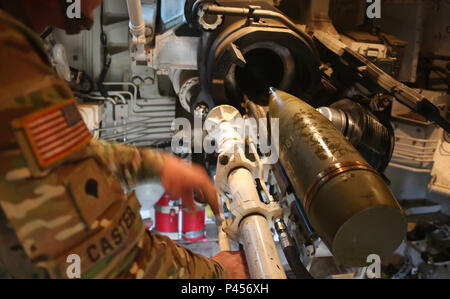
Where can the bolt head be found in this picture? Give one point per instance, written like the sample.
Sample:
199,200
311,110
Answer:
223,160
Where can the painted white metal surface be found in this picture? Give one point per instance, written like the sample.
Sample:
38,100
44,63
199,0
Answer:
260,250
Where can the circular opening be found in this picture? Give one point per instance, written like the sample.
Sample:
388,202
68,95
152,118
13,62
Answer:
210,19
264,69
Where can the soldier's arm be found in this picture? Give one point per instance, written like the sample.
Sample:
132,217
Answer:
166,259
131,165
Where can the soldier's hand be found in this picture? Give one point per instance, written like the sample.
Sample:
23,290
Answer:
235,264
180,179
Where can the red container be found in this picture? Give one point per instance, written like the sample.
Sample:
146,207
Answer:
166,217
194,224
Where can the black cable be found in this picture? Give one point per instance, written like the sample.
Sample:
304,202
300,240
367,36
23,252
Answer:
298,268
106,57
47,32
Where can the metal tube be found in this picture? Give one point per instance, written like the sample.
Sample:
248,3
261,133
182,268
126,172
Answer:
290,251
404,94
137,24
260,250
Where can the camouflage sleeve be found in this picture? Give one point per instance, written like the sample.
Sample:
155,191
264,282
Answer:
186,263
157,256
131,165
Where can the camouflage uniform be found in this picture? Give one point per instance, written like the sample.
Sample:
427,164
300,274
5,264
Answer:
76,205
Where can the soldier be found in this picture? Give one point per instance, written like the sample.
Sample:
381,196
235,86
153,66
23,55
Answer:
61,192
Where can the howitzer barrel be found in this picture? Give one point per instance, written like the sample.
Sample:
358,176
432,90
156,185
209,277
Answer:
348,203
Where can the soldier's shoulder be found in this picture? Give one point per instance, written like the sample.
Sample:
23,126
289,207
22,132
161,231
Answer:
16,35
24,64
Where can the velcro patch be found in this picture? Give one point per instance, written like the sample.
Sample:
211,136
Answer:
54,133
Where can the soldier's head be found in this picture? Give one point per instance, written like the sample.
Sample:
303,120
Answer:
70,15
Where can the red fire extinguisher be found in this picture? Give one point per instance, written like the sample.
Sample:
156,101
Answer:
166,217
194,224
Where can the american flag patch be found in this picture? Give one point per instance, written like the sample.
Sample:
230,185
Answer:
55,132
